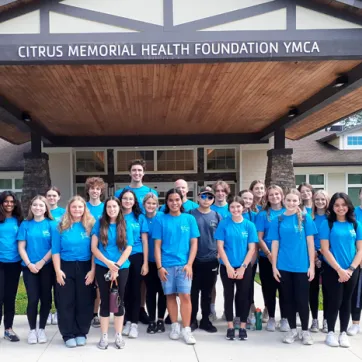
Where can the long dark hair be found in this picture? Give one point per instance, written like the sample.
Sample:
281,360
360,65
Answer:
17,212
120,225
170,192
136,206
332,217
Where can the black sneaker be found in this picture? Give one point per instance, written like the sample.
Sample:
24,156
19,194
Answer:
207,326
194,325
242,334
168,320
10,335
151,329
160,327
230,334
144,318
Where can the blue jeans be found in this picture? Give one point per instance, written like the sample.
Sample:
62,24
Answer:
177,281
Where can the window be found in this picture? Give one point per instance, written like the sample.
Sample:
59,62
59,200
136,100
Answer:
125,157
220,159
90,162
353,187
354,140
316,180
12,184
175,160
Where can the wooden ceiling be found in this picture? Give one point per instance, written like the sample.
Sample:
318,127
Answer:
169,99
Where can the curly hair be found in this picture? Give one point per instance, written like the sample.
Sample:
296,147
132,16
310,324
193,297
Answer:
136,209
17,212
94,182
139,162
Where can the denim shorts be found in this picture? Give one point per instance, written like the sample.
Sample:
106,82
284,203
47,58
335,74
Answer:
177,281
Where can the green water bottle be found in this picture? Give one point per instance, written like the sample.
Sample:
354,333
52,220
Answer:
258,317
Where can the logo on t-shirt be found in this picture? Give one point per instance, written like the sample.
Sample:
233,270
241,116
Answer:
213,224
84,235
46,233
353,233
244,234
135,225
185,228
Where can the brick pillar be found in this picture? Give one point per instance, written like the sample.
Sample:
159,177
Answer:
36,177
280,169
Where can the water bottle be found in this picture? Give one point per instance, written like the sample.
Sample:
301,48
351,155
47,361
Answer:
252,322
259,322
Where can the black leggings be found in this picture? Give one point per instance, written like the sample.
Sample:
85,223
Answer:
39,289
251,291
242,296
9,282
269,287
357,304
314,294
104,288
339,297
295,289
132,298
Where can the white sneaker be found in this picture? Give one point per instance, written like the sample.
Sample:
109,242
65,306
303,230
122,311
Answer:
307,338
187,335
42,338
133,333
290,336
299,323
175,331
353,330
55,318
119,341
126,329
49,320
270,327
284,325
314,327
32,337
343,340
265,315
325,326
331,340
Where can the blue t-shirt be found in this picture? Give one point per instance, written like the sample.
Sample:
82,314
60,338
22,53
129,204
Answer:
358,213
151,241
111,251
96,211
58,214
73,244
250,215
342,240
175,232
293,250
188,206
8,241
308,210
223,211
138,227
38,238
259,207
318,220
262,223
140,193
236,237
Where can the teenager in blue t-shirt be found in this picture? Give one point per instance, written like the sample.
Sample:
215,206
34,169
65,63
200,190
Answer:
221,191
138,258
306,193
75,272
11,216
257,188
237,244
112,244
35,243
155,295
175,235
293,262
320,206
341,242
273,208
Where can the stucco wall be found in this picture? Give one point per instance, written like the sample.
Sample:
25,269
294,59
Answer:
253,165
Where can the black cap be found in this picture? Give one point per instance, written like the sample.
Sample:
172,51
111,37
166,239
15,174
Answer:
206,190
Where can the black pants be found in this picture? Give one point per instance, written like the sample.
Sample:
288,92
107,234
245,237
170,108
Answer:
269,287
132,296
339,297
75,300
356,304
204,278
39,288
154,287
314,294
105,286
242,295
9,282
251,290
295,289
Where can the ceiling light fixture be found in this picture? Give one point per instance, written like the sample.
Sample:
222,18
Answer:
26,117
341,81
293,112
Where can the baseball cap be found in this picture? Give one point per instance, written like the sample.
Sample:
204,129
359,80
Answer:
206,190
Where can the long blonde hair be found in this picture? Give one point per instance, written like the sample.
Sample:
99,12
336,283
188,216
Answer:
299,211
87,219
326,196
267,206
47,214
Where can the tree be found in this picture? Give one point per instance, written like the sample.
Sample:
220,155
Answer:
351,121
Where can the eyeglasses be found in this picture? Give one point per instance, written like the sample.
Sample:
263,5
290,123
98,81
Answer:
206,197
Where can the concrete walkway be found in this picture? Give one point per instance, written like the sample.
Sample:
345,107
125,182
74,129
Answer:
261,346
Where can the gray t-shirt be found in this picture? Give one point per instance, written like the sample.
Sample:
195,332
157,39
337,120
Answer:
207,223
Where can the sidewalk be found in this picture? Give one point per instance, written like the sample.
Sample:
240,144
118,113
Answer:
262,345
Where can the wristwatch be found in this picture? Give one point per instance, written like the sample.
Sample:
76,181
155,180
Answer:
351,268
244,266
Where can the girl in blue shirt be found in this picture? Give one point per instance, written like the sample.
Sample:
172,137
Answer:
341,242
75,271
153,282
273,208
293,262
237,244
35,242
138,258
306,192
111,246
320,206
11,216
257,188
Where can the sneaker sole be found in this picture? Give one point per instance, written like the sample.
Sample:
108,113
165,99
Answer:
314,330
332,345
43,342
103,348
151,332
132,337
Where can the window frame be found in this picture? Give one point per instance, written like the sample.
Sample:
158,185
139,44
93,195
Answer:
105,172
319,187
12,176
221,147
348,185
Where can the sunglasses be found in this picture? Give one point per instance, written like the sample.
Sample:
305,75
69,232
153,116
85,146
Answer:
206,197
